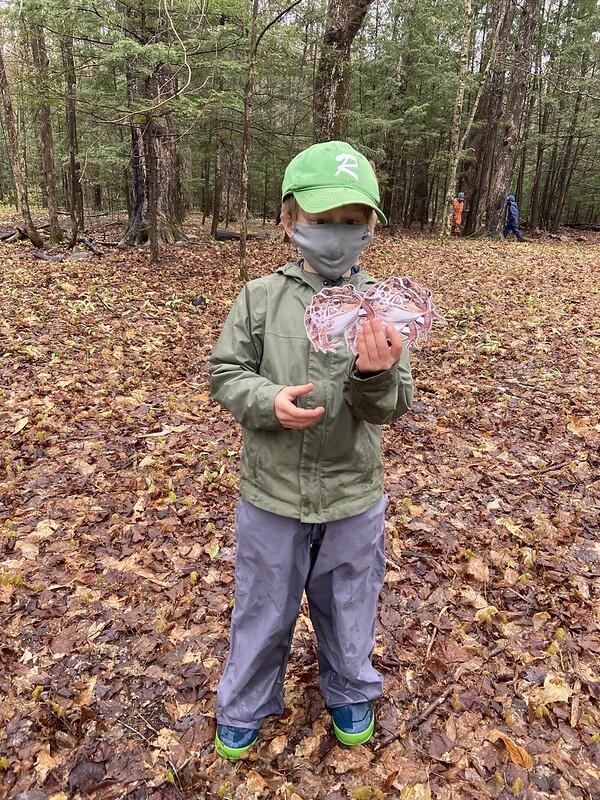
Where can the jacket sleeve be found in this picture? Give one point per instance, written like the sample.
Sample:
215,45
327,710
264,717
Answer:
382,397
235,362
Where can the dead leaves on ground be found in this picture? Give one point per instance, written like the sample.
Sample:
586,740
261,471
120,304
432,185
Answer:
119,482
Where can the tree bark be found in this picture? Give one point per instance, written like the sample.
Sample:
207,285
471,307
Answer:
332,80
543,115
151,135
41,63
392,142
16,155
218,185
247,141
420,194
76,193
505,161
566,171
157,203
137,230
483,140
454,149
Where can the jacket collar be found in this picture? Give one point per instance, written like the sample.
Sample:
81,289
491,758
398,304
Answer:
314,280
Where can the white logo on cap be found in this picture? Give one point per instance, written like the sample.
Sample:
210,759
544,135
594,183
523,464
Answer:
349,163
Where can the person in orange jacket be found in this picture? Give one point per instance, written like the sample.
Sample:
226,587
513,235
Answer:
457,212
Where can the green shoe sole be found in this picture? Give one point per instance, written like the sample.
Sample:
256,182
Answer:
231,753
352,739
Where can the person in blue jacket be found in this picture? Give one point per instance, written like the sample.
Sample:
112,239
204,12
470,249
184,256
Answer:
512,218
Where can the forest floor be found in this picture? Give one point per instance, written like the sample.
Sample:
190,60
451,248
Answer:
119,480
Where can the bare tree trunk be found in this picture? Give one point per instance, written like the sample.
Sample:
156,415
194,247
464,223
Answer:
543,113
265,194
421,193
137,231
15,155
41,62
483,140
454,150
76,193
157,204
392,143
514,106
332,81
161,175
228,193
524,136
247,142
151,139
255,39
206,186
566,171
218,187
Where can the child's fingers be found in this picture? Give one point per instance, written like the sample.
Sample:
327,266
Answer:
298,425
303,413
296,391
396,343
375,341
381,340
361,348
298,422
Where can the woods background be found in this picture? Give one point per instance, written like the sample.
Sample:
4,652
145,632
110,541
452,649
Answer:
162,107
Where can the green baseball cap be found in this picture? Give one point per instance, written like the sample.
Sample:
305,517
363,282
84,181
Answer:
331,174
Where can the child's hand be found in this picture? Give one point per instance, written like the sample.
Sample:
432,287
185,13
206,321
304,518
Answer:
378,349
289,414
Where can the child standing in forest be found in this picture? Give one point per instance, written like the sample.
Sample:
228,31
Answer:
311,513
457,212
512,218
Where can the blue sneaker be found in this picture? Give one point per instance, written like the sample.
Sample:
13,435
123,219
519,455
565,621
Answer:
353,724
233,743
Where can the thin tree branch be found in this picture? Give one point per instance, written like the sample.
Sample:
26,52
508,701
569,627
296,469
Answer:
273,21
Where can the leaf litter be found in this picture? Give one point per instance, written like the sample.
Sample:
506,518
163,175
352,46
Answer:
117,550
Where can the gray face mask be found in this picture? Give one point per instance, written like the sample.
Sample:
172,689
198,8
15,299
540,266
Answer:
331,249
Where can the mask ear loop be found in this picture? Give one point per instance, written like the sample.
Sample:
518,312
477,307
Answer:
292,240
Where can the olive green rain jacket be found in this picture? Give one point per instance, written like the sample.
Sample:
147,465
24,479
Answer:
332,469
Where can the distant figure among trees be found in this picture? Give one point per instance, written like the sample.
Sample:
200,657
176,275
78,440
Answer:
457,212
512,218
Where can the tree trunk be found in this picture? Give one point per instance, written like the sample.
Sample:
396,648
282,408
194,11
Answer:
483,140
41,63
137,230
265,194
420,194
157,203
247,141
546,201
15,155
151,136
218,185
566,171
454,149
505,161
97,204
332,81
76,193
205,186
543,117
392,142
524,136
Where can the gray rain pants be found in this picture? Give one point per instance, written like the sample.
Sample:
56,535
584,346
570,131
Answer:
341,565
